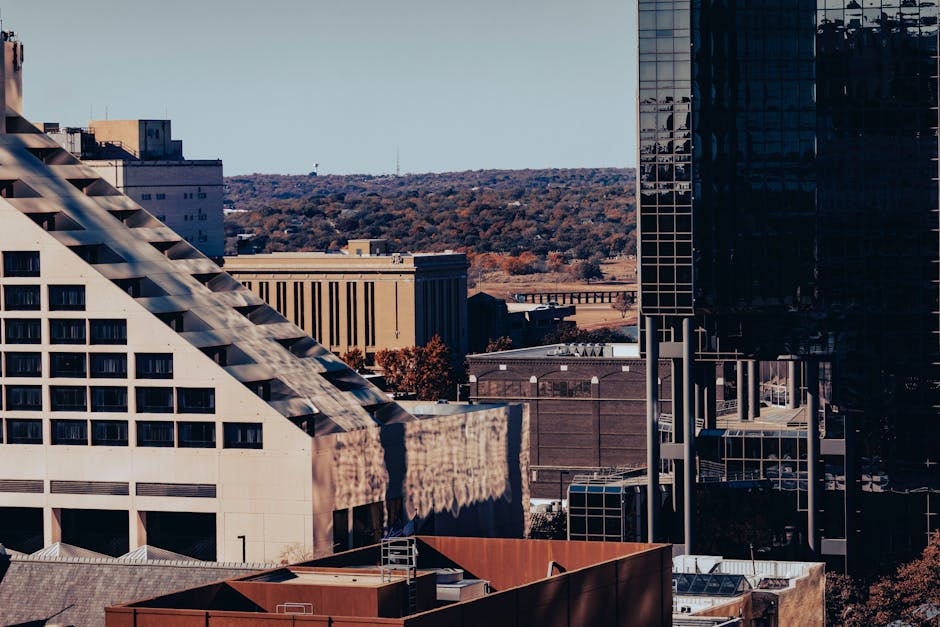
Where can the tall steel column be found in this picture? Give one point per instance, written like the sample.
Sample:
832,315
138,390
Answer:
711,395
812,453
793,384
742,391
688,438
753,389
652,428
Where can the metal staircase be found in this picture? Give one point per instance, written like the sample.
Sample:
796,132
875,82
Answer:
401,554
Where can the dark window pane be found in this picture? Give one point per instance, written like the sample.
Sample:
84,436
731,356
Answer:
24,397
155,434
24,431
108,331
23,364
67,297
108,366
196,434
67,365
108,433
23,331
154,365
21,263
154,400
108,398
195,400
21,297
243,435
68,331
70,432
68,398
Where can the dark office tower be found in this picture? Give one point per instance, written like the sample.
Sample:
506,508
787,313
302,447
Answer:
788,210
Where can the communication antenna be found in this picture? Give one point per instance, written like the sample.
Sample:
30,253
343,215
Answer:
397,162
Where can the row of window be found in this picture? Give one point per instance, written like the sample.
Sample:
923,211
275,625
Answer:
149,433
521,389
66,331
108,398
162,196
29,298
79,365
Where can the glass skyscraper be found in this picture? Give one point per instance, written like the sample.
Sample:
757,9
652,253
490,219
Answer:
788,209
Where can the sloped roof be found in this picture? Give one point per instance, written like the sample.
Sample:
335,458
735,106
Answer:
61,549
156,554
127,245
91,584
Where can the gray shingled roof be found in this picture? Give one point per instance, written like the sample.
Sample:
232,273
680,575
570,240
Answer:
35,588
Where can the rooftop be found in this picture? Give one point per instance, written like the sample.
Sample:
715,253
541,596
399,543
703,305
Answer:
567,352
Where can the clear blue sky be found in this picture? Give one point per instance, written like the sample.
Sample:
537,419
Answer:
277,86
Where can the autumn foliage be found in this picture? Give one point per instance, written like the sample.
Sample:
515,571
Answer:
425,371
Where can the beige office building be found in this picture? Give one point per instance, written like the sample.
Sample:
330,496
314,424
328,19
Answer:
366,298
148,397
141,159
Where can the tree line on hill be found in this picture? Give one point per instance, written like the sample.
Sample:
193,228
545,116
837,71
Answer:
575,213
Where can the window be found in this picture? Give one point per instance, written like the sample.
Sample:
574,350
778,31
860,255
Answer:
24,431
67,365
23,331
196,434
21,297
24,397
201,195
154,365
108,433
23,364
195,400
68,398
243,435
108,366
155,434
67,297
108,331
145,196
66,331
21,264
108,398
154,400
565,389
161,196
74,432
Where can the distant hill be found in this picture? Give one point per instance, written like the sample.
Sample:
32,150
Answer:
578,212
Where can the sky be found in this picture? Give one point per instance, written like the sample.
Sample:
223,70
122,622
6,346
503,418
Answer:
278,86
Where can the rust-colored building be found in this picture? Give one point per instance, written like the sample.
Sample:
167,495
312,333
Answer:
516,583
587,406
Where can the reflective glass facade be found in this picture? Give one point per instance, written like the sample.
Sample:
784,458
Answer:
788,199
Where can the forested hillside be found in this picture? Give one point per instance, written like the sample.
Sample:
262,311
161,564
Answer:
578,212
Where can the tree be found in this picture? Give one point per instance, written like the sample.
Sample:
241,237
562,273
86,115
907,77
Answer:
915,584
502,343
845,601
425,371
623,304
354,359
586,271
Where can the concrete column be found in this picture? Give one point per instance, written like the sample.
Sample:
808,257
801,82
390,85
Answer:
676,389
753,389
742,390
137,535
688,437
51,525
812,453
652,428
793,384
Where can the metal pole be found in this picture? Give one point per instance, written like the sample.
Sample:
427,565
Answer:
793,386
742,391
753,389
652,428
812,453
688,439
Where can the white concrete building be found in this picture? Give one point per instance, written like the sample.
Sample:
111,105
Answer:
149,398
